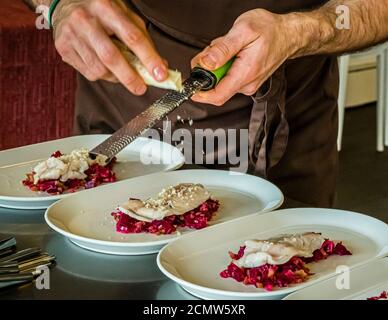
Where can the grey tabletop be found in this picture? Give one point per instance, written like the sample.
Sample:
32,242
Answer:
82,274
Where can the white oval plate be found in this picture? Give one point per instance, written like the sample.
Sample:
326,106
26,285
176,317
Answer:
195,260
85,217
360,283
142,157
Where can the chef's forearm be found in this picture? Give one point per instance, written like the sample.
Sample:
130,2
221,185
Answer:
317,32
35,3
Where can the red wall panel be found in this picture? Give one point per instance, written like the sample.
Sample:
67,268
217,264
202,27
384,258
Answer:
36,87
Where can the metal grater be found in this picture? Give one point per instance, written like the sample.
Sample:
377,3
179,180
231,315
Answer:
147,119
200,79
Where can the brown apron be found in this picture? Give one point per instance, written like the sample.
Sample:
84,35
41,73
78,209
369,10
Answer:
292,120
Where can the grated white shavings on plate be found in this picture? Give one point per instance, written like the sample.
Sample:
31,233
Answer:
165,197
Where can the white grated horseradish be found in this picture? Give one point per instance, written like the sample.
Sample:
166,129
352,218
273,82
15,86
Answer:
279,250
66,167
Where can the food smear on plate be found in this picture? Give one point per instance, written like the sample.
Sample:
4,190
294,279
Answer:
184,205
383,296
70,172
280,261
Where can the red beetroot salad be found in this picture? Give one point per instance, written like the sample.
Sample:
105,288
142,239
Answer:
294,271
197,218
383,296
96,175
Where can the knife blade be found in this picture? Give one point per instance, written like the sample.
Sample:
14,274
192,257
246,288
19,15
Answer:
17,277
200,79
7,246
20,256
13,280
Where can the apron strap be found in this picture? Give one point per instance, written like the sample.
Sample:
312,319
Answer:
268,127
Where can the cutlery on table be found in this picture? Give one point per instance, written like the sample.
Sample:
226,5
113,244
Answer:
7,246
20,267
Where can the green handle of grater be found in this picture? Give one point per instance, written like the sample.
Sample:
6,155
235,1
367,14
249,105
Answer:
222,71
215,75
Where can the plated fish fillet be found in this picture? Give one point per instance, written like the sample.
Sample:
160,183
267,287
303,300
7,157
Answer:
175,200
280,261
184,205
279,250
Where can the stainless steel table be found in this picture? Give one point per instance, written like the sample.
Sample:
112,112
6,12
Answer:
82,274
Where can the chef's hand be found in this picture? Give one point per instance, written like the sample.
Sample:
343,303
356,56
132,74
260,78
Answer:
260,41
82,30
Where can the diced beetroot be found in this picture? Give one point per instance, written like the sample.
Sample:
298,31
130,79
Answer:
328,248
161,227
234,272
341,250
239,254
383,296
57,154
195,219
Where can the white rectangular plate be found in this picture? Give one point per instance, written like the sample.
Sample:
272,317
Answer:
366,281
85,217
195,260
143,156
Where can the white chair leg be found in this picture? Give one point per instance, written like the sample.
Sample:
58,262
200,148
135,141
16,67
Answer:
380,100
343,85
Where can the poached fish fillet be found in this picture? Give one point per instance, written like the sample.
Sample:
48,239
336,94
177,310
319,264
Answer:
66,166
174,200
279,250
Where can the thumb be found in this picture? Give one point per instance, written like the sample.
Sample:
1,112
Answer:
221,50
